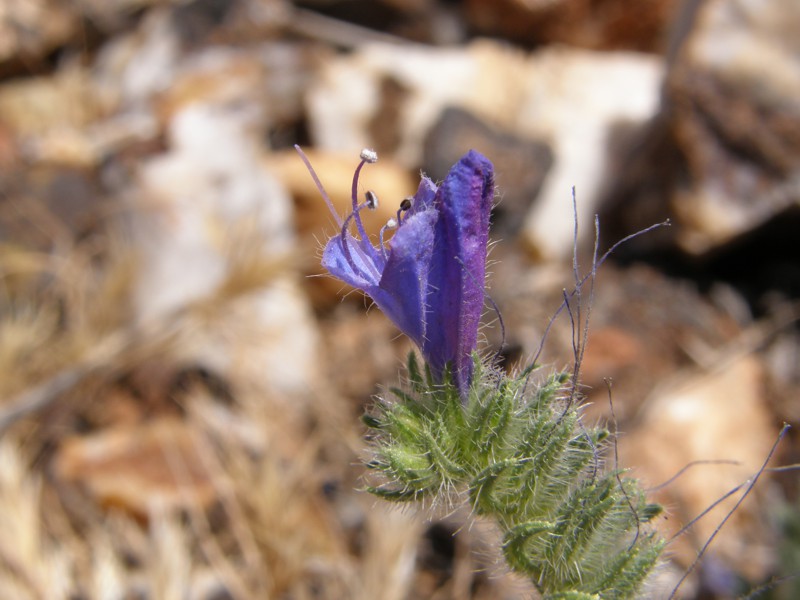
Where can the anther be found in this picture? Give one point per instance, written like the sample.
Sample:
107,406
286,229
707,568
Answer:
369,156
405,206
371,200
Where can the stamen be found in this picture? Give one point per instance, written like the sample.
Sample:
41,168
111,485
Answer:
390,224
344,234
366,156
354,197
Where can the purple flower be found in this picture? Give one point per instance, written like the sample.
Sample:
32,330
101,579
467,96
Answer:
429,277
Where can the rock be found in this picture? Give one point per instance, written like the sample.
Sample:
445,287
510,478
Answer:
49,116
782,356
49,206
39,104
31,28
133,68
732,93
522,164
191,195
390,98
349,105
138,468
578,99
215,228
599,25
718,415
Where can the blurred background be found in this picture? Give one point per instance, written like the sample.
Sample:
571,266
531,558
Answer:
181,396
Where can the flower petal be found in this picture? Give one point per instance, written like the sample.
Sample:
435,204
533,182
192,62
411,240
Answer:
404,285
425,196
360,271
458,267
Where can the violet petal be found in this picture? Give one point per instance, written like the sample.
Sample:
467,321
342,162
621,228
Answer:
404,285
458,267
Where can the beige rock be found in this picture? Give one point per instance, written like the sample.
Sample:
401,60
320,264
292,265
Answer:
603,24
345,102
215,228
67,119
31,28
132,68
138,468
49,116
733,91
714,416
38,104
575,99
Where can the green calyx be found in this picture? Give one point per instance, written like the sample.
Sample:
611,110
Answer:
520,452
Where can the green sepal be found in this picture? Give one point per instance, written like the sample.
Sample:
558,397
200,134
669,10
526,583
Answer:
406,495
519,449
